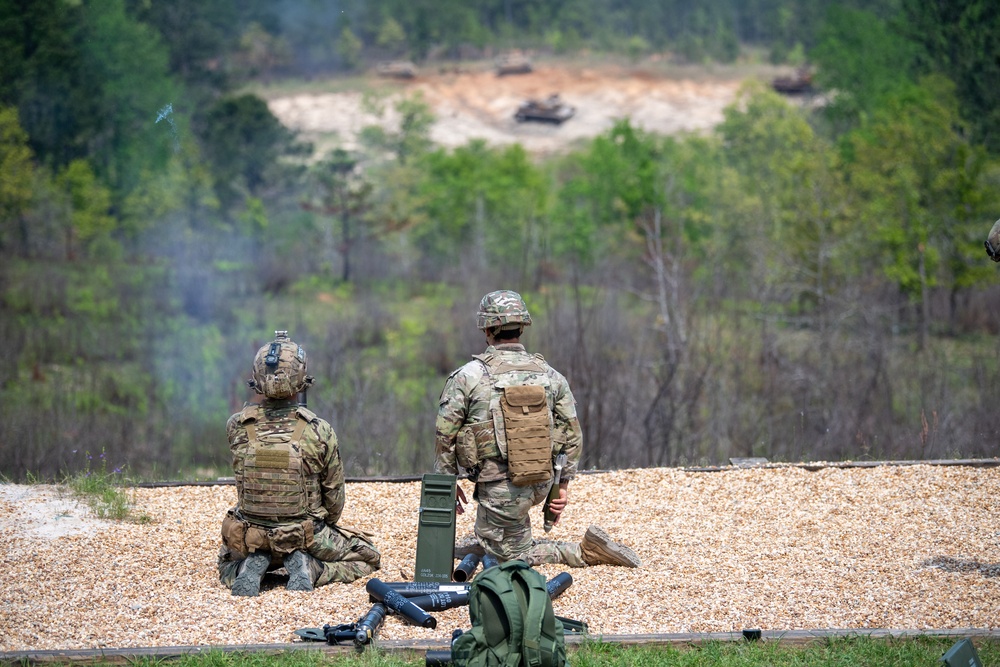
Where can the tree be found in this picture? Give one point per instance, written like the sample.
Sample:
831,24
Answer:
343,193
910,167
862,59
391,37
260,52
349,48
959,40
244,141
88,82
199,37
796,231
89,204
16,173
475,211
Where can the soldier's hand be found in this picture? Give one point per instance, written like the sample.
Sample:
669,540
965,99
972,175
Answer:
459,499
993,242
557,505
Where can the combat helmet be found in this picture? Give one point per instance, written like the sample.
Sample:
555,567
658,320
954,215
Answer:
500,308
279,368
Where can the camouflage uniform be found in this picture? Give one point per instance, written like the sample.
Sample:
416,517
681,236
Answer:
290,489
505,417
503,526
992,242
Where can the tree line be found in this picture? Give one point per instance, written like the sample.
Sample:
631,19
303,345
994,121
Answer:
800,283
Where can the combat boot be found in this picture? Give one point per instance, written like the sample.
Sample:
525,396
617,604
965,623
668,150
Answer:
303,570
599,549
251,573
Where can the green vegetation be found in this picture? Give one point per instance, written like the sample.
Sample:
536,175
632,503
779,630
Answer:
802,282
850,651
106,492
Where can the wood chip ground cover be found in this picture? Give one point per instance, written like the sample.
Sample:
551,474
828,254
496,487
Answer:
914,547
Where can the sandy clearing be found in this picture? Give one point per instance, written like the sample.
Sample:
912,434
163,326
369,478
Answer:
480,105
914,547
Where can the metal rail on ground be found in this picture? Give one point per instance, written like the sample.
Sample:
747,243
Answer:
758,463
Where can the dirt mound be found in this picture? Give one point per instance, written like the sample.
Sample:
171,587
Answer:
478,104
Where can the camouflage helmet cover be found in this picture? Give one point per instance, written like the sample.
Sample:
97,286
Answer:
279,368
502,307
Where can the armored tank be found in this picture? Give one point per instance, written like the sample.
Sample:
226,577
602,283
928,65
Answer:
549,110
398,69
512,63
796,84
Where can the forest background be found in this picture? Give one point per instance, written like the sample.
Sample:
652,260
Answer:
800,283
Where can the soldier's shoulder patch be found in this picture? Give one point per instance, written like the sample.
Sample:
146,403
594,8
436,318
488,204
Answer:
474,370
538,355
250,413
306,414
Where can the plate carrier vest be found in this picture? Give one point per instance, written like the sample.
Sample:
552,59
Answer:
274,484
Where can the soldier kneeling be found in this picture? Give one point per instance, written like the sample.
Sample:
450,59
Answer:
290,487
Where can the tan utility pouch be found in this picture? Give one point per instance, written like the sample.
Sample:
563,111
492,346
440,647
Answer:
286,539
256,539
234,533
474,443
529,436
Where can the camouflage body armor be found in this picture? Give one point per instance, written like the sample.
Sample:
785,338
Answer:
520,425
272,483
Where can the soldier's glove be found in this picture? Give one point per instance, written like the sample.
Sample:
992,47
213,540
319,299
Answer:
992,242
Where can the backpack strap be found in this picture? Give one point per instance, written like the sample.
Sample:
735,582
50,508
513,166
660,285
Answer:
534,617
505,591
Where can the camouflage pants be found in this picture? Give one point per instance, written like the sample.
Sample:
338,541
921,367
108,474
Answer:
343,556
503,526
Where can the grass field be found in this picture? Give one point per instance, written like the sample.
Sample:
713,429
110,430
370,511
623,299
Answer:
853,652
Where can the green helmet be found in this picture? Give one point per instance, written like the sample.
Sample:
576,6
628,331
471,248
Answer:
500,308
279,369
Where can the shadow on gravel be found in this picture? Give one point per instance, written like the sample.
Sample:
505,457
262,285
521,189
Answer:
949,564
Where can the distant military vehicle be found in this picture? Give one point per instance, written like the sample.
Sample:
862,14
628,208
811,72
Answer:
398,69
796,84
512,63
549,110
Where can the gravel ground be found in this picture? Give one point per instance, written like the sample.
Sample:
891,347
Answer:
913,547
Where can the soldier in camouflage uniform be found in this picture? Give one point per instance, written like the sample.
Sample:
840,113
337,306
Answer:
484,423
290,487
992,242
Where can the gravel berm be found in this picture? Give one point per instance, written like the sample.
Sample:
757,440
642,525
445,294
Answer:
777,548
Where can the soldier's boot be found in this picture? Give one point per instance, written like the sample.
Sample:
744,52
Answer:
303,570
599,549
251,573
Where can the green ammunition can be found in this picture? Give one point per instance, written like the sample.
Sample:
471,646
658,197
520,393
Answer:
436,529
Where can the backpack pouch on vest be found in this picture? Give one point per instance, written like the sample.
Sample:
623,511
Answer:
529,434
475,443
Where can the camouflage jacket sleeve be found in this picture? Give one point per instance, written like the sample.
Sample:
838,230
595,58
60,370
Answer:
568,433
453,410
237,436
331,478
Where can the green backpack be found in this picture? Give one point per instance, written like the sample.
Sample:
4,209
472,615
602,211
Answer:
513,624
